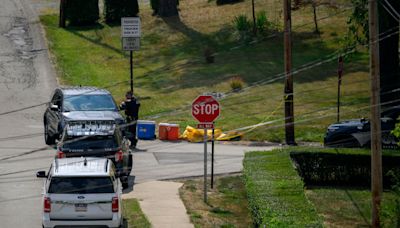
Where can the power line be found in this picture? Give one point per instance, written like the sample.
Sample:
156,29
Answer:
168,68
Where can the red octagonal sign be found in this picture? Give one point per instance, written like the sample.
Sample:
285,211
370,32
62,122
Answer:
205,109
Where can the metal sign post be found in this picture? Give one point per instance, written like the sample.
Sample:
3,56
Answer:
130,33
212,157
205,109
205,165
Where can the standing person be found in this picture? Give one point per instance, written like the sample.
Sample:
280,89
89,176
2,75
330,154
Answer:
131,106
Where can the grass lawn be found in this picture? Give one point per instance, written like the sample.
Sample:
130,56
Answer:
227,203
278,198
170,70
350,207
134,215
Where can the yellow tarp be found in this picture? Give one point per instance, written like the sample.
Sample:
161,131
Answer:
192,134
230,136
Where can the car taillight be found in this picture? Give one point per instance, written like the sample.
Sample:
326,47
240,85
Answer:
60,154
47,205
115,206
119,156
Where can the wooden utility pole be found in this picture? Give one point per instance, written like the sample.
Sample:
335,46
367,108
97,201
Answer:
61,19
376,144
289,113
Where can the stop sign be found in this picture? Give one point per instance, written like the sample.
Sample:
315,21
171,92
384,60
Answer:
205,109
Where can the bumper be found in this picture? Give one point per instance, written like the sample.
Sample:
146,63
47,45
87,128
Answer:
116,221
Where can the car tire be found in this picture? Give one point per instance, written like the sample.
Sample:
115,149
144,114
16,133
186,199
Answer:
124,223
48,138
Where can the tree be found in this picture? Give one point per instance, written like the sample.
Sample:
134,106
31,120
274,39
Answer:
388,44
165,8
314,4
115,9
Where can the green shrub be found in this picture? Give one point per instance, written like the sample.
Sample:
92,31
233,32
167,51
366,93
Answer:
236,83
262,22
275,191
396,131
242,23
115,9
396,190
341,169
80,12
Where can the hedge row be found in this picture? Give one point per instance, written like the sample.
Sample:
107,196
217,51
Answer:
275,191
341,169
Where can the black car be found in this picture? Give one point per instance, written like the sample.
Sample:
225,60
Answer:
97,138
76,103
357,132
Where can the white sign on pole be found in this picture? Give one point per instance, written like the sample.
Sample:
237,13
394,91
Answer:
131,43
130,27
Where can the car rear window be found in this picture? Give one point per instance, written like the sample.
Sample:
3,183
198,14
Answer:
90,143
81,185
89,103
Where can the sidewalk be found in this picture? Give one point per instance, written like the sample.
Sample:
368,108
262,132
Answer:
160,202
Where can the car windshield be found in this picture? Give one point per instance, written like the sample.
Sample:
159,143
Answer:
81,185
89,103
90,143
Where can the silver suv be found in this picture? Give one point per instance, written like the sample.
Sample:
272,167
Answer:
81,192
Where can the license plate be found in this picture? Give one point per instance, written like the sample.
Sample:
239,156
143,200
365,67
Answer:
81,207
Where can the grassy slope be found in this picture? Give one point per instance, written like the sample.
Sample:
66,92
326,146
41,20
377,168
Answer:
134,215
93,56
227,203
275,191
277,196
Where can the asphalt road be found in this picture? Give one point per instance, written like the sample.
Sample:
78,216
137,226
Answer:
27,79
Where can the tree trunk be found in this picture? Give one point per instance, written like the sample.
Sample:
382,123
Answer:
389,56
168,8
314,6
61,20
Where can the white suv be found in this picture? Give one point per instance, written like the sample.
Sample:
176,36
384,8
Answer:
81,192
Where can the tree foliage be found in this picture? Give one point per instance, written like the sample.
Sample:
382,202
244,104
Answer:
115,9
358,23
80,12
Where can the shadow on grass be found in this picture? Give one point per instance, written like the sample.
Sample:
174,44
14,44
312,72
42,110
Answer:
98,26
261,61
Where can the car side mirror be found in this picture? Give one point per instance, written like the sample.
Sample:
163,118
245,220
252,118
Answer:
53,107
41,174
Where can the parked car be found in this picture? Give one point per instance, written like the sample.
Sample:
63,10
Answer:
97,138
357,132
77,103
81,192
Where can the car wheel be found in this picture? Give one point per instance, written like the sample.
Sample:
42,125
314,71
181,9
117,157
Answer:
48,138
124,223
